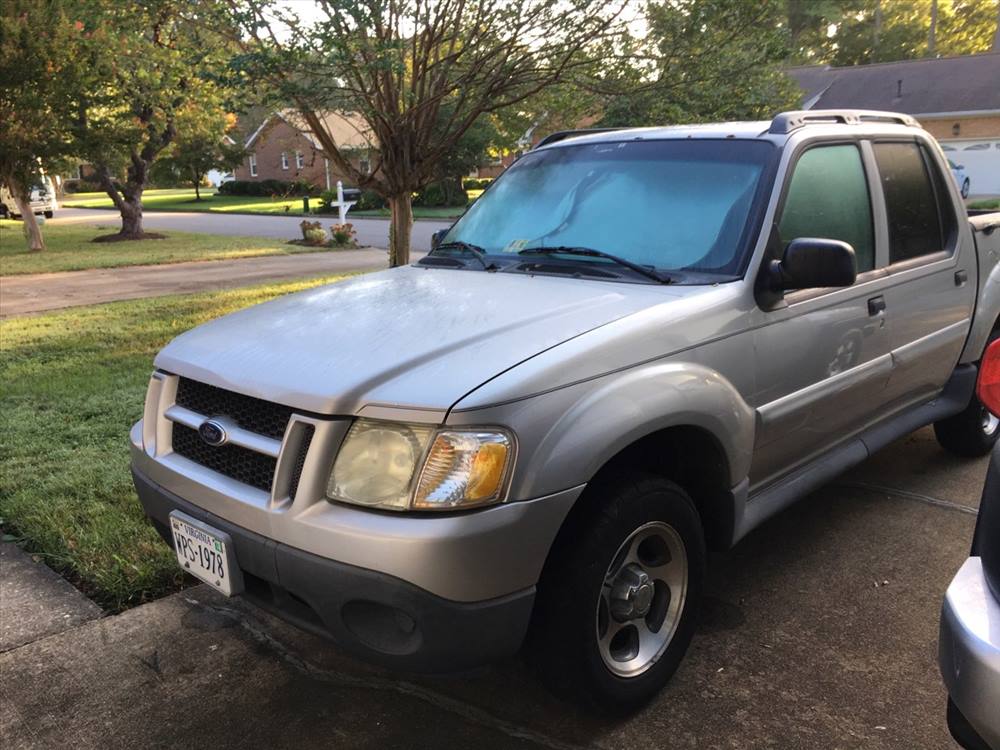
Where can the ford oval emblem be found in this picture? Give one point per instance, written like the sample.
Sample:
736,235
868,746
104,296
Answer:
213,433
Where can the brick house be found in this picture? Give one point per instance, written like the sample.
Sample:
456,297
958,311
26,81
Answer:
284,148
956,99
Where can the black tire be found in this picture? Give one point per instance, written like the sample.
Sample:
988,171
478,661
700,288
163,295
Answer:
971,433
563,644
965,187
47,214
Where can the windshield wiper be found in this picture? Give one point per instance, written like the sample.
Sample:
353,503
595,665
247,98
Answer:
475,250
588,252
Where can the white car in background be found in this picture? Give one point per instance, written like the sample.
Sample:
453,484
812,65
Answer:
43,199
961,178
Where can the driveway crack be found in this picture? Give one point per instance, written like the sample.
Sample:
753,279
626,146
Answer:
908,495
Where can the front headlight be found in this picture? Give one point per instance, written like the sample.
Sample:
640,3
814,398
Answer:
405,466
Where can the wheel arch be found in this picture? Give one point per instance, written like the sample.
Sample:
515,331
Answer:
678,420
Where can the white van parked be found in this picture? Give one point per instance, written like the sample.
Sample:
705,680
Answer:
43,199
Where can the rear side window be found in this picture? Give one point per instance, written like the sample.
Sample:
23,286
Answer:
918,225
828,198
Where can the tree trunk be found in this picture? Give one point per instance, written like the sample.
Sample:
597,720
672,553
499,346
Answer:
932,32
400,227
878,32
197,184
33,233
131,211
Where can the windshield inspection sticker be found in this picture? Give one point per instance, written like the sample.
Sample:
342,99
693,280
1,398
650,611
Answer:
515,246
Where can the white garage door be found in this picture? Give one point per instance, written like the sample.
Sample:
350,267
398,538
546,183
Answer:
982,163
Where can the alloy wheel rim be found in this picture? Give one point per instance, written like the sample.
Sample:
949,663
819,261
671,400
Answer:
989,422
641,599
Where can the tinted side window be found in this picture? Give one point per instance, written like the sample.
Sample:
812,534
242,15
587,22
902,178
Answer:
828,197
915,226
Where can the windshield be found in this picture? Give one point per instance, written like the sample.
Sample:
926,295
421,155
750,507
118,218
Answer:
668,204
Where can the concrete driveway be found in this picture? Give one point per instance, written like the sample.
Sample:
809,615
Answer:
371,232
819,631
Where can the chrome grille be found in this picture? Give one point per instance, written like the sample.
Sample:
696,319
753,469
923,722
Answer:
253,414
241,464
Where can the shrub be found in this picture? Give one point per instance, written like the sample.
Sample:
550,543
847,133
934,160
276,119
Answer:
315,237
343,234
312,232
474,184
442,194
370,201
268,187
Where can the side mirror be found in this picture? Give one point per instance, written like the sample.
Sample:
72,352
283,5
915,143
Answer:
812,263
437,237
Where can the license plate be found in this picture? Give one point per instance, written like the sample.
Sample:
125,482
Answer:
206,553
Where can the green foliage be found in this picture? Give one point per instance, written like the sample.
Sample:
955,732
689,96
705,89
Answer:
281,188
855,32
369,201
343,235
201,146
716,60
473,184
148,77
39,54
446,193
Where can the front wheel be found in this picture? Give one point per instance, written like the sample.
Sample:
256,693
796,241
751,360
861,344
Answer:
965,187
47,214
618,601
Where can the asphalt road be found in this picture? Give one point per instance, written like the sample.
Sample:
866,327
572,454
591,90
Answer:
819,631
371,232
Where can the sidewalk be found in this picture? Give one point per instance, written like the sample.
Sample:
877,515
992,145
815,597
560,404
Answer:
36,602
22,295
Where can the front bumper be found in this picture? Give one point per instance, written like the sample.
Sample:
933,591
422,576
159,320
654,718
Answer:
369,614
969,654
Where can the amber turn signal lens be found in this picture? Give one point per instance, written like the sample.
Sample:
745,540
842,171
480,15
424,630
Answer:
463,469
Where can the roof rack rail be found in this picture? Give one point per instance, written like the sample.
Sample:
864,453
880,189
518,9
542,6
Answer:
562,135
786,122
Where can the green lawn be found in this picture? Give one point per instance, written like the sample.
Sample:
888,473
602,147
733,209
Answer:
183,200
69,248
989,203
72,383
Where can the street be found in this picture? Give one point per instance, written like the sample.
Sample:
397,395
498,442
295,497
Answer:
819,631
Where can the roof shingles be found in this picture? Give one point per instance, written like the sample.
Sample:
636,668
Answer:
915,87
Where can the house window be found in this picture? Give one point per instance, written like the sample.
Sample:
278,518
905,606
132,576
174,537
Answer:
253,165
284,160
299,160
365,166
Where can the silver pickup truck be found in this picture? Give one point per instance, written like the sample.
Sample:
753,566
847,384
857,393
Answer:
635,347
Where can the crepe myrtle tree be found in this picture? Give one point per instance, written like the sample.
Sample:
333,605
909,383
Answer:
419,73
150,66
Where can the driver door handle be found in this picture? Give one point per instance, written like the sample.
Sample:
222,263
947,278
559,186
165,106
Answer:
876,305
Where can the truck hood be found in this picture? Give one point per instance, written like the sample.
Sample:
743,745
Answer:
408,337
